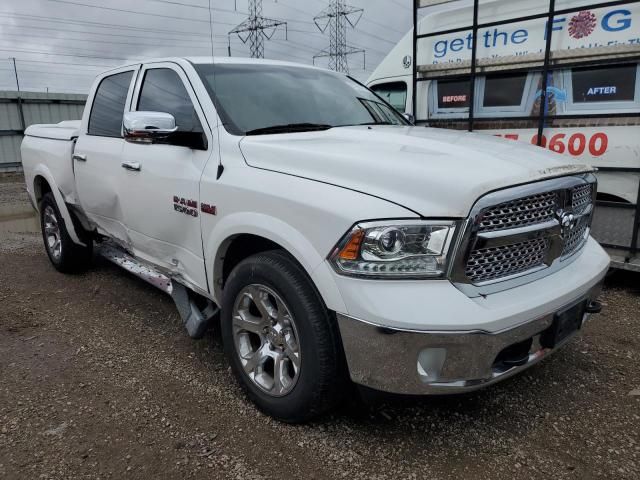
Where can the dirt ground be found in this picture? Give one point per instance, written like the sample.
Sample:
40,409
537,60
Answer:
99,380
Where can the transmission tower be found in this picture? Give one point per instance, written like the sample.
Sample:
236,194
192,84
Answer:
255,29
335,19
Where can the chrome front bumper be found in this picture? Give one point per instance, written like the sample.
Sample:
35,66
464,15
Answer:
417,362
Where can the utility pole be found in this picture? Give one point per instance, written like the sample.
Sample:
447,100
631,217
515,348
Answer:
15,71
255,29
19,99
335,19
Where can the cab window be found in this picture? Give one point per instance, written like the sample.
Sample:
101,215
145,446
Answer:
395,93
163,91
107,110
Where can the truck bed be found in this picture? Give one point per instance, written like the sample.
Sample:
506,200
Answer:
50,146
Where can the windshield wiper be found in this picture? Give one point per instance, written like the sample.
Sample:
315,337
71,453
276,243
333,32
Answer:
289,128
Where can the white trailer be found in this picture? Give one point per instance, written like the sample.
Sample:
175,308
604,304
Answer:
564,75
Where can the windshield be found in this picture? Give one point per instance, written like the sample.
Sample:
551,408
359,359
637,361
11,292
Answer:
259,99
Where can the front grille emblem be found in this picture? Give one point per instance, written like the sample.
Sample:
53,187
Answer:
568,222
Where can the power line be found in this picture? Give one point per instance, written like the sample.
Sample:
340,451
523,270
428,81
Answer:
40,18
66,30
70,39
59,54
161,31
65,63
335,19
68,49
377,37
192,37
134,12
401,5
23,70
170,2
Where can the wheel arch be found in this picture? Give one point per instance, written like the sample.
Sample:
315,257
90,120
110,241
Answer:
40,187
44,182
236,248
233,241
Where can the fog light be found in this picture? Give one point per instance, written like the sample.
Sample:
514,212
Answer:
430,362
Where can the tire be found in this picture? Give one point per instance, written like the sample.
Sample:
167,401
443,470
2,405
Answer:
289,298
65,255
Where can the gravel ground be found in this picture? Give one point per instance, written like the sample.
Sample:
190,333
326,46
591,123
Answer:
99,380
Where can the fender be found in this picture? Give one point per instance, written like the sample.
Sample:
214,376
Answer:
279,232
43,171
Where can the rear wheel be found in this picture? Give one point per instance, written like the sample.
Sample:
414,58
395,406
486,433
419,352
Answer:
65,255
281,341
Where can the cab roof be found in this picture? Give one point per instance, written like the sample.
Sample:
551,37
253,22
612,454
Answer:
219,61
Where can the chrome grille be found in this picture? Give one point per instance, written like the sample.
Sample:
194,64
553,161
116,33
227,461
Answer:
581,197
491,263
496,251
520,212
574,239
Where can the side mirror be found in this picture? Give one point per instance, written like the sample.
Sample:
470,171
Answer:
410,118
148,127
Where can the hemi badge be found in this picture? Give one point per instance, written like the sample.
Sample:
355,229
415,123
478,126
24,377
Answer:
210,209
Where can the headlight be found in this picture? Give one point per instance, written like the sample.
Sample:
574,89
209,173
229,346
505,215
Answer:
394,249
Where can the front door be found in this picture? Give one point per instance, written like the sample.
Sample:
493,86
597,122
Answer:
98,152
162,213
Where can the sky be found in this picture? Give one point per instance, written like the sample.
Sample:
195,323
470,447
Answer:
60,45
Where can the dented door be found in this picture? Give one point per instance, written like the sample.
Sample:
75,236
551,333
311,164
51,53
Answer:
162,193
98,152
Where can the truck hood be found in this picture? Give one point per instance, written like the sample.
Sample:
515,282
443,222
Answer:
433,172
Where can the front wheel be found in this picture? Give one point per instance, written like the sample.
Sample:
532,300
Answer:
281,341
65,255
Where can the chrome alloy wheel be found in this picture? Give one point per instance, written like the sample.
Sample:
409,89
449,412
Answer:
266,339
52,232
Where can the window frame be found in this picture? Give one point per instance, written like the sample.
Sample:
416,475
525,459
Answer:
461,113
527,99
524,109
569,106
129,69
186,83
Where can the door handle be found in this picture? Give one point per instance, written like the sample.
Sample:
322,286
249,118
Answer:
134,166
80,157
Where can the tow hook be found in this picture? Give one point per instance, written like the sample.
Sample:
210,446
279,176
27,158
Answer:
594,307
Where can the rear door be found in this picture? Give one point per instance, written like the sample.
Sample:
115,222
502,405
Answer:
97,156
163,196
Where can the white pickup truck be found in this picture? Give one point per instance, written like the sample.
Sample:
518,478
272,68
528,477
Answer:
329,237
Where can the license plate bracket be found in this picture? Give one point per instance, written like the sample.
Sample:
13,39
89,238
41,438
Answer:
565,322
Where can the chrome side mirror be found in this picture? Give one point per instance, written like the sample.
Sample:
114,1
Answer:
148,127
410,118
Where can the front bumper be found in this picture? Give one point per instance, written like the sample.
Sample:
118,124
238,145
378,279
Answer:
409,362
469,343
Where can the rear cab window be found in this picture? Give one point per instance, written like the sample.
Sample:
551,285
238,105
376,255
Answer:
108,105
